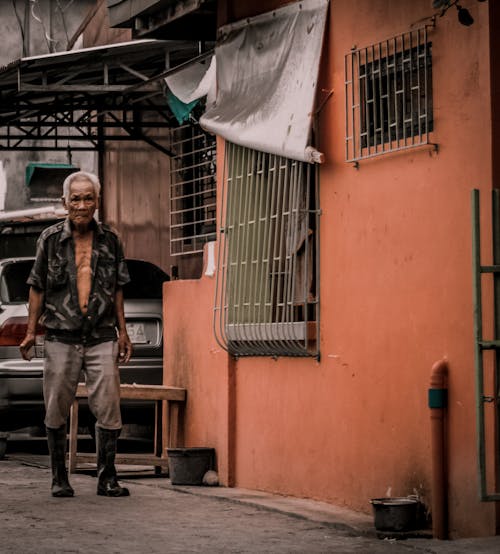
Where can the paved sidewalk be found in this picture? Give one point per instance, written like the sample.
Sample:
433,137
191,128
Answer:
161,518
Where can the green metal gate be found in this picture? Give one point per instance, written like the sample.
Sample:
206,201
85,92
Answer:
491,401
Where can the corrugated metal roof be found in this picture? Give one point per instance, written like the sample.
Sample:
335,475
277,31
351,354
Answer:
41,94
94,55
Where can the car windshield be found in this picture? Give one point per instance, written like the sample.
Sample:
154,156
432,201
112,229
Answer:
13,287
146,281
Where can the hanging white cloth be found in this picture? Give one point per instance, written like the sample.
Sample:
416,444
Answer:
194,81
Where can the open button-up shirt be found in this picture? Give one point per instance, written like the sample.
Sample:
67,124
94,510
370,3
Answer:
54,273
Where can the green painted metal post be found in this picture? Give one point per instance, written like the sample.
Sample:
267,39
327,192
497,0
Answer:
495,218
480,344
478,336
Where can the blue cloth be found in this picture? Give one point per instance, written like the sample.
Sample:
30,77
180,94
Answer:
180,110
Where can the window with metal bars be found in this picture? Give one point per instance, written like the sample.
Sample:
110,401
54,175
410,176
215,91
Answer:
389,96
192,189
267,290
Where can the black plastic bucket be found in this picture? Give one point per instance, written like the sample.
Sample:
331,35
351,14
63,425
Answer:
395,514
187,466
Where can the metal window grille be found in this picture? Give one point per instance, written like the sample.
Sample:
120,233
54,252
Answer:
388,88
267,294
192,190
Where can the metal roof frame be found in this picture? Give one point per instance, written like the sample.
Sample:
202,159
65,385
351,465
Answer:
76,100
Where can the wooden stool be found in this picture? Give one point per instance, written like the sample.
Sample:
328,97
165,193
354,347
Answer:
168,401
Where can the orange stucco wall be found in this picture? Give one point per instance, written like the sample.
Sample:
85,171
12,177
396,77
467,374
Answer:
194,361
396,295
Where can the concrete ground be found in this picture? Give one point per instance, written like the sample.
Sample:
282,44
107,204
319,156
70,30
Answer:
161,518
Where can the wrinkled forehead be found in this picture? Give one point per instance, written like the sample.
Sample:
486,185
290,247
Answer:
81,186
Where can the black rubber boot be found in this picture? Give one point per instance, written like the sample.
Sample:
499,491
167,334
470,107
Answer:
56,439
107,483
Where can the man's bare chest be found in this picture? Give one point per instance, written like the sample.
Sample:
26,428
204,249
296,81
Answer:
83,253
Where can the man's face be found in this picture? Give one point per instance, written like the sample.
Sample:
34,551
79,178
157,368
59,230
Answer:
82,203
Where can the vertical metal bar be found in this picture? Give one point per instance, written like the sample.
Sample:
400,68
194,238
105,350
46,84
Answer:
418,70
218,318
268,237
302,203
381,95
231,231
220,282
478,335
317,283
394,96
305,292
249,186
247,235
192,163
410,75
273,231
290,228
236,247
293,227
495,207
230,168
248,328
362,107
389,94
255,247
172,195
268,174
274,254
373,148
290,232
279,253
426,85
262,191
403,89
348,106
354,130
302,214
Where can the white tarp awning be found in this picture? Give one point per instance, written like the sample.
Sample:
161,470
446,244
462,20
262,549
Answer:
194,81
267,71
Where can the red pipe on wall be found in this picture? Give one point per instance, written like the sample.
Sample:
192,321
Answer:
438,399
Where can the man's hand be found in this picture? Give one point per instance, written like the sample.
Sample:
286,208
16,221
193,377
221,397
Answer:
35,305
124,344
124,347
26,346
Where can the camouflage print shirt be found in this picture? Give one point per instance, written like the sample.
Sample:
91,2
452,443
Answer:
54,273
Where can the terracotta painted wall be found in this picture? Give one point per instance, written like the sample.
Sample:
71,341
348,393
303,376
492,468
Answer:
396,257
195,361
396,295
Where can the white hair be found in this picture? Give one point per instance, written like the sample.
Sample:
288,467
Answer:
81,176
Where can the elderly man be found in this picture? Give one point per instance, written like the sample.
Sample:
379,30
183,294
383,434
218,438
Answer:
76,292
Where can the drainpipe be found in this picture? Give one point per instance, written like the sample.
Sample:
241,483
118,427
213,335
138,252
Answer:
438,402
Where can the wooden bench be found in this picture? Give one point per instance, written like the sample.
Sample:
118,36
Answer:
168,401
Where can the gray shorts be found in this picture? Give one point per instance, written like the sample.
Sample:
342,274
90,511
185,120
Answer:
62,367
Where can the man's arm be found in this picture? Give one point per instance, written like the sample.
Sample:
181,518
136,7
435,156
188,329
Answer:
34,312
124,344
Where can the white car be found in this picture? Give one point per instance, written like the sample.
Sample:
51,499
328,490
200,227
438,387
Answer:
21,398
